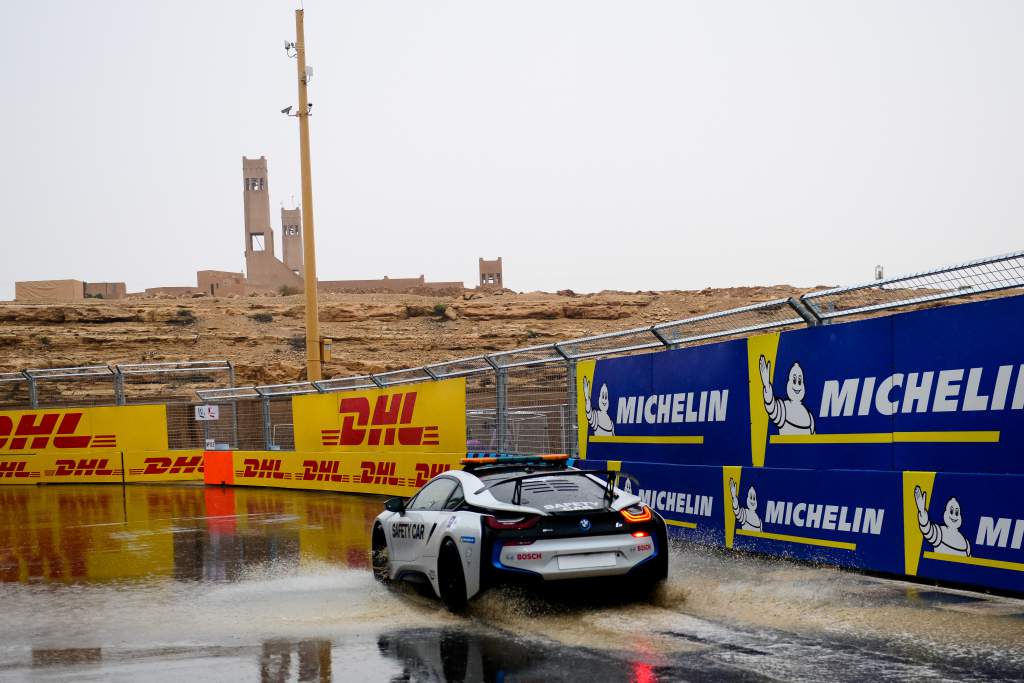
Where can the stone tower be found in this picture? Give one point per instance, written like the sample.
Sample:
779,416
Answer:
291,239
491,276
262,269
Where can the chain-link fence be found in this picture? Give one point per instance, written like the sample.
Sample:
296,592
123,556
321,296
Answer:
14,391
91,385
994,274
521,401
174,384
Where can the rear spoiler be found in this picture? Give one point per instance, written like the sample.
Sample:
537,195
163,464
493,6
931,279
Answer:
613,477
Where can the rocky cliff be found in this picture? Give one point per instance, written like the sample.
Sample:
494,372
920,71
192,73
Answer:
264,336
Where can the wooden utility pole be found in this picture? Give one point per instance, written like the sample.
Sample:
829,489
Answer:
313,359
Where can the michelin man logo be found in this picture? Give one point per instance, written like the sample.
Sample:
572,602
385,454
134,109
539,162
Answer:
747,517
944,538
600,421
790,415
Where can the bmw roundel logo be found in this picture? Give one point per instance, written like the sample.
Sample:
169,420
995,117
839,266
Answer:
585,524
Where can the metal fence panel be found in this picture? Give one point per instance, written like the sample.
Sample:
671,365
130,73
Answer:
183,431
91,385
14,391
400,376
462,367
744,320
281,424
531,355
537,409
481,412
163,382
965,279
343,383
614,343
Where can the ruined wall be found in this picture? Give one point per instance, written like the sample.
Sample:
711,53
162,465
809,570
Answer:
106,290
49,290
221,283
388,284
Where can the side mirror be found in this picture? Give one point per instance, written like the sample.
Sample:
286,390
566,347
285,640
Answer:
395,505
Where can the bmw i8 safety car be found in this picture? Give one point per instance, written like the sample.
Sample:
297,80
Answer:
505,518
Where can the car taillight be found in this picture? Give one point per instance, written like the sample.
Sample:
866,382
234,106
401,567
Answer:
637,513
511,524
640,534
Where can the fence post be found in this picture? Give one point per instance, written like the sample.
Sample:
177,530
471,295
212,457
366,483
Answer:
569,440
268,438
569,424
234,407
119,397
501,406
33,393
804,311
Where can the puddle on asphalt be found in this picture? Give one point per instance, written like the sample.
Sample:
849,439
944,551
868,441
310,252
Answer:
181,581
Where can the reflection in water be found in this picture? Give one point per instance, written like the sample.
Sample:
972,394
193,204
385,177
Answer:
454,655
188,582
313,661
74,534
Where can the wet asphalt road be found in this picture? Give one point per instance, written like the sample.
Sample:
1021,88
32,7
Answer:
192,583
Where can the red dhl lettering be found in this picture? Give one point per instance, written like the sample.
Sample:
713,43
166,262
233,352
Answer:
97,467
267,468
36,431
322,470
180,465
389,424
14,469
378,472
425,472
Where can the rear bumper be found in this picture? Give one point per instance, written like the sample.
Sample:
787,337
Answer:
573,558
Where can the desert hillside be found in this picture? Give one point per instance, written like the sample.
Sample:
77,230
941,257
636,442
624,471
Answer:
263,336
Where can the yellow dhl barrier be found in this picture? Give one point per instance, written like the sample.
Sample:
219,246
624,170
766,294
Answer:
101,467
374,441
425,417
384,441
107,429
91,445
350,472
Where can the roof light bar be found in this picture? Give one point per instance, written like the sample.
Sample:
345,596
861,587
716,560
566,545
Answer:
493,458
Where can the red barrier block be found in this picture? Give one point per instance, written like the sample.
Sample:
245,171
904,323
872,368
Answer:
217,468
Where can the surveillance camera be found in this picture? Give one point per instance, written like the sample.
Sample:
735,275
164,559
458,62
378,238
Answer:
287,110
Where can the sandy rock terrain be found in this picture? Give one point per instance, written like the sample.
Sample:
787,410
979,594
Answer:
264,336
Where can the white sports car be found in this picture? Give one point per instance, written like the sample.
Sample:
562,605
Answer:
506,518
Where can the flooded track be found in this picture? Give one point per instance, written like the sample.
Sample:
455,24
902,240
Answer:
193,583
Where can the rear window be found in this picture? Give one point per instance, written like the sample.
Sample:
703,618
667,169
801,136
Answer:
553,493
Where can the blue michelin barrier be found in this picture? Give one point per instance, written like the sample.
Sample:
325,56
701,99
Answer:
892,444
957,528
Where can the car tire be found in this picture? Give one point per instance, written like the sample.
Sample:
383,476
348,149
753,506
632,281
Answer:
380,558
451,580
659,570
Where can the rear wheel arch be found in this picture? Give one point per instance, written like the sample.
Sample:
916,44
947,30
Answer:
380,554
451,576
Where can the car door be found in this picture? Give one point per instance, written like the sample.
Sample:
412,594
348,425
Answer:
444,519
410,532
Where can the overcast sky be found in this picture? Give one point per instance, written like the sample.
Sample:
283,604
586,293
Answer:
592,144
